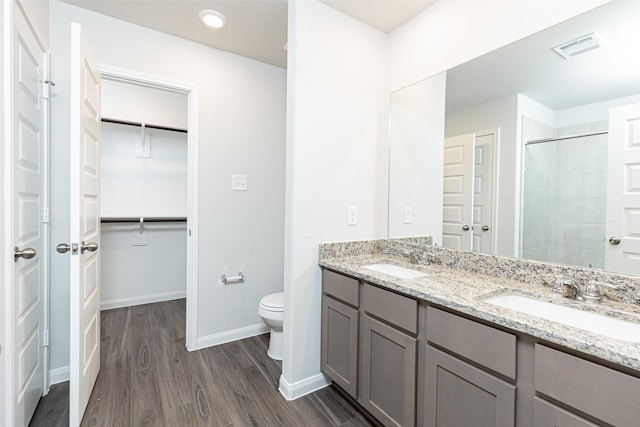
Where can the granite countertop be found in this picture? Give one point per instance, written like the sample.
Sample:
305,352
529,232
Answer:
465,292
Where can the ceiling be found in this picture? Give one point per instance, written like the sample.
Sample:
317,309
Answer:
255,28
530,66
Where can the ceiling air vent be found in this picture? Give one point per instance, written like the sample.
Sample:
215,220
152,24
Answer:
580,45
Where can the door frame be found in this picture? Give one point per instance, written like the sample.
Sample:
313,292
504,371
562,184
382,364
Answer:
109,72
8,9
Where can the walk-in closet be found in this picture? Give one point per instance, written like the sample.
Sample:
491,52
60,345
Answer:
144,194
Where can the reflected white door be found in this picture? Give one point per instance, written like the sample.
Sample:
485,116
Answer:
483,197
623,191
84,225
27,286
457,200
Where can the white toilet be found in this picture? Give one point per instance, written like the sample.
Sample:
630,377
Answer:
271,311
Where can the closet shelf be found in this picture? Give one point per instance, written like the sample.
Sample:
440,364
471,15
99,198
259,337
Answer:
143,219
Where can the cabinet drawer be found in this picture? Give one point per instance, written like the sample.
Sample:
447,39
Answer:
341,287
604,393
396,309
546,414
482,344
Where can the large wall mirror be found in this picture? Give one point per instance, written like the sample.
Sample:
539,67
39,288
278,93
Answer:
530,151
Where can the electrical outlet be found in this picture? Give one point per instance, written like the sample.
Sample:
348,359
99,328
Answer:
239,183
408,214
352,215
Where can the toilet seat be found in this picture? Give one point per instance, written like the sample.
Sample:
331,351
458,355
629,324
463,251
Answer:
273,302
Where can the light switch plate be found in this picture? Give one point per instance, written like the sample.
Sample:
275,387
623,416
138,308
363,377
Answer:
239,183
408,214
352,215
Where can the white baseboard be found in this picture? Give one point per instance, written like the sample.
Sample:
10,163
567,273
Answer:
143,299
232,335
59,375
302,388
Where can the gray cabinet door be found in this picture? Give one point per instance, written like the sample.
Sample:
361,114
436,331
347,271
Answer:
547,415
339,356
460,395
388,383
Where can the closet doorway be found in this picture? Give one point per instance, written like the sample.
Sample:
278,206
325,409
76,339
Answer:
149,192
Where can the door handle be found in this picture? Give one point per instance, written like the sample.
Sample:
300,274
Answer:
614,240
27,253
485,228
465,228
91,247
63,248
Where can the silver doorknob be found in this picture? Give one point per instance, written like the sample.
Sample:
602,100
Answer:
91,247
465,228
485,228
614,240
27,253
63,248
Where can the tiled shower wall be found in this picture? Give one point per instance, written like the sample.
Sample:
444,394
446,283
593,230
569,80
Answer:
565,195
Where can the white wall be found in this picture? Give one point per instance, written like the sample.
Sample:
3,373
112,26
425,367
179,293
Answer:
500,113
451,32
132,186
591,112
139,274
241,131
337,119
416,150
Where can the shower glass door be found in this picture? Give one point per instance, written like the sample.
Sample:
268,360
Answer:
564,203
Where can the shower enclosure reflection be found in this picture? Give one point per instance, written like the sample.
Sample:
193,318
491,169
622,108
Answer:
565,196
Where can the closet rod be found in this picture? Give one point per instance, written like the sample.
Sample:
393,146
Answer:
145,219
124,122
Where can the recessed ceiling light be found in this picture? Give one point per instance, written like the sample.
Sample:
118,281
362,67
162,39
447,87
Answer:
213,18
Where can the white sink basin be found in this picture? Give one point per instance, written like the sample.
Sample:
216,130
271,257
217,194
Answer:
395,271
589,321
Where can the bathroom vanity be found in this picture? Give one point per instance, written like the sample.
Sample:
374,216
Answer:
432,351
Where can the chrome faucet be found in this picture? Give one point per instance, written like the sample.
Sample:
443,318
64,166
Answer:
593,293
569,288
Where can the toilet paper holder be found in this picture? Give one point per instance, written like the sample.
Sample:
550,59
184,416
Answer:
239,278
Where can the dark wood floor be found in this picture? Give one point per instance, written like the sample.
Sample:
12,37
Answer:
148,378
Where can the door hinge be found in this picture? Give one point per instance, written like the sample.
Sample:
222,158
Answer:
46,89
45,338
45,215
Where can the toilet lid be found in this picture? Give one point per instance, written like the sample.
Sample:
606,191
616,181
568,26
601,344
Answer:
273,301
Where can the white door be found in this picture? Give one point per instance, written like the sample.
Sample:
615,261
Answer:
457,201
84,225
622,253
28,164
483,197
